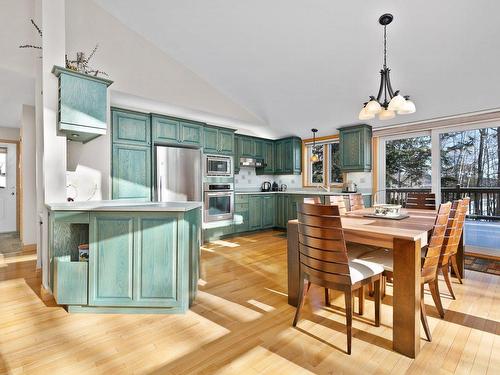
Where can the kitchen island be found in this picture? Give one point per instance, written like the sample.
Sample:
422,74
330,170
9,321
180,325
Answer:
142,257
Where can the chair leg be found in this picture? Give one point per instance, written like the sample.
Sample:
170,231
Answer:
302,297
377,299
348,317
423,316
327,297
383,285
434,289
454,264
445,270
361,300
370,289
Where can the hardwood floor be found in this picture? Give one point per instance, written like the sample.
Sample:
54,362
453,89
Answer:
241,324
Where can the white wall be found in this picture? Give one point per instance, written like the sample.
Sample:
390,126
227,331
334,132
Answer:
28,159
9,134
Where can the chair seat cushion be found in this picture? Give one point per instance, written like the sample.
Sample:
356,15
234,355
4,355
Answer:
356,250
363,269
382,257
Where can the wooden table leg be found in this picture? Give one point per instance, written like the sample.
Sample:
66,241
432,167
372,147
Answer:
406,301
460,257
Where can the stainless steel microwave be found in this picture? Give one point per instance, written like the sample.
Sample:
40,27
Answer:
218,165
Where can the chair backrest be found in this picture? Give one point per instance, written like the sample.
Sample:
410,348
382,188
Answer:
313,200
454,229
322,249
356,202
431,261
423,201
338,200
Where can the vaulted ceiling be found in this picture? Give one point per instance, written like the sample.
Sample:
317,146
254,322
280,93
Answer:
301,64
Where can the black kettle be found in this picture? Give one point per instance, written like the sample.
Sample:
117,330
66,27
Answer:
266,186
275,187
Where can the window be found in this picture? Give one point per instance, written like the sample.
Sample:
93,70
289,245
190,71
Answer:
408,162
326,170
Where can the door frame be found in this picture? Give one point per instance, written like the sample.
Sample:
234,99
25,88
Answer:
19,185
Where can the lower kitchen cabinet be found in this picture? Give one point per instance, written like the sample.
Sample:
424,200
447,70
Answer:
111,256
138,261
255,212
268,211
241,215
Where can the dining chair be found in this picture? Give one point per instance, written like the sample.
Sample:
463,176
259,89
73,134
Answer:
430,264
313,200
423,201
323,261
356,202
452,241
338,200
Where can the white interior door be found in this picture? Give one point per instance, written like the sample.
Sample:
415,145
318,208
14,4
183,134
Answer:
8,181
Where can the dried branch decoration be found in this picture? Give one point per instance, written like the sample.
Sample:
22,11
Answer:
81,64
39,33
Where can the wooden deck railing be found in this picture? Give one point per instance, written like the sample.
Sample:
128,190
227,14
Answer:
484,203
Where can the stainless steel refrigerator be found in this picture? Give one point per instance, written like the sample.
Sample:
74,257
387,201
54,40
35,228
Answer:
178,174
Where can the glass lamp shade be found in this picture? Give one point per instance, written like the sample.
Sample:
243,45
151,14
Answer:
373,107
386,114
396,103
365,115
408,107
314,158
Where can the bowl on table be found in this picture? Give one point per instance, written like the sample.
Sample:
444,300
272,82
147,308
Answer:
390,210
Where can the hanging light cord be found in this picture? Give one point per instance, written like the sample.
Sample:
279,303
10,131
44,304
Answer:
385,46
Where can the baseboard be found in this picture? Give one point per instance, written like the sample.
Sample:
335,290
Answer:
30,248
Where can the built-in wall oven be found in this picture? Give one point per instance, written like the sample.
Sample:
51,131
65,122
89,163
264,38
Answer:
218,201
218,166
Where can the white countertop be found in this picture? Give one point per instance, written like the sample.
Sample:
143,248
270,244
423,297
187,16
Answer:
296,191
125,205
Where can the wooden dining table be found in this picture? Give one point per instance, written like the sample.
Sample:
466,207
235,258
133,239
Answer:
406,237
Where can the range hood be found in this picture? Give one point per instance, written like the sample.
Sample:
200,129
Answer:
252,162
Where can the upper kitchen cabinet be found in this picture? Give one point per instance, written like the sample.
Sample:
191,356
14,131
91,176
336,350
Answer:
131,172
268,157
356,148
172,131
288,156
247,147
218,141
131,127
83,104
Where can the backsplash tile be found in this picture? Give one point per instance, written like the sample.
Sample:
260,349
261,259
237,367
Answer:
247,179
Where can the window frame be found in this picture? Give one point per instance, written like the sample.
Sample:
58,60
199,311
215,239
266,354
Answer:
307,164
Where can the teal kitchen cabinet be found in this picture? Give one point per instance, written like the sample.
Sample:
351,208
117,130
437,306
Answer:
111,259
241,217
237,156
247,147
156,261
131,127
268,211
255,212
280,210
83,104
131,172
367,200
355,144
218,141
268,151
288,156
259,149
172,131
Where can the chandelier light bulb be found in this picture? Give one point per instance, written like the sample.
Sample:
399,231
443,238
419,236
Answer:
314,158
373,107
386,114
397,103
408,107
365,115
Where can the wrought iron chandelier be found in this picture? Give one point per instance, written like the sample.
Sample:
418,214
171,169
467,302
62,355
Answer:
388,102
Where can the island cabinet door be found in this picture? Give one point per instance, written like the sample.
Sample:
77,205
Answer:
111,252
157,262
